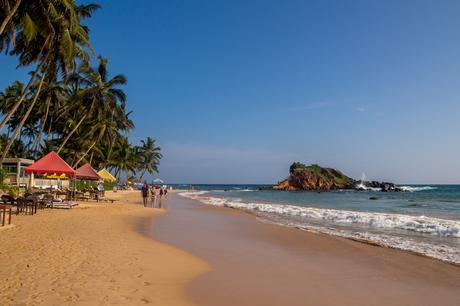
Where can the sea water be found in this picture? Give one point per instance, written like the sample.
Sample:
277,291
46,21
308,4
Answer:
424,220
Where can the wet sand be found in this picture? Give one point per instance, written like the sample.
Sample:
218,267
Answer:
255,263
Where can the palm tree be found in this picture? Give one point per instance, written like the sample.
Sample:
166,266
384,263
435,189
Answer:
7,11
52,95
9,96
21,124
51,34
66,105
101,102
30,132
150,157
124,157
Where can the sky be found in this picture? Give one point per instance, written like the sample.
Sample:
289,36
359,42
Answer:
235,91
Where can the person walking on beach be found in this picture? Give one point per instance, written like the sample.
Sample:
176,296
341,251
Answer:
153,196
145,193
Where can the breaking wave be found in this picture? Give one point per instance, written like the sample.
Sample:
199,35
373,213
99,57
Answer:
417,188
323,220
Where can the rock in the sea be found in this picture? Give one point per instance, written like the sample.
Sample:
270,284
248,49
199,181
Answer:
314,177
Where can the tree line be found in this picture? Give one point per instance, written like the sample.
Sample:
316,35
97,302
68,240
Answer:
70,103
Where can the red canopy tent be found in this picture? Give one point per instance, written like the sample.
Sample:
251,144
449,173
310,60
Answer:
86,172
51,164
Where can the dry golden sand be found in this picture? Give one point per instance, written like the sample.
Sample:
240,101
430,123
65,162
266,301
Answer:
91,255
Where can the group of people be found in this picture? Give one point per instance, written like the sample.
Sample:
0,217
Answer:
151,191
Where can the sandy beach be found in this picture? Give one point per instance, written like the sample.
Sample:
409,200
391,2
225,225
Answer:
91,255
193,254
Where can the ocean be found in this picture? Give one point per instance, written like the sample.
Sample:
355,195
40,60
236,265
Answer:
424,220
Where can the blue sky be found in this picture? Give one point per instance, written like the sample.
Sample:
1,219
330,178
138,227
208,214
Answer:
235,91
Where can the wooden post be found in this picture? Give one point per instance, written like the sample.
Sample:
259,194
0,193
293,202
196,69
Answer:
18,171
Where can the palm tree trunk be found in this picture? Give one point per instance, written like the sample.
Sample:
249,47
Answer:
21,99
9,16
23,120
86,153
71,133
117,173
42,124
142,175
48,134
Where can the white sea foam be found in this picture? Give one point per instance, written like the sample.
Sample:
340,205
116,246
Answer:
418,188
193,194
364,187
308,218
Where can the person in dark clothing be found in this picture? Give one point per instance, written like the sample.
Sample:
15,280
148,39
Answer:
145,193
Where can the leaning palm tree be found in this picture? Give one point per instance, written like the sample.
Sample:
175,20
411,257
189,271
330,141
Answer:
22,122
50,34
9,97
7,11
99,98
51,98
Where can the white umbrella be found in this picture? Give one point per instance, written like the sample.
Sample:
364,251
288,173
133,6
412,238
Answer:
158,181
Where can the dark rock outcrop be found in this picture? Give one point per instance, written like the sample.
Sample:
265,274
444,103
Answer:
314,177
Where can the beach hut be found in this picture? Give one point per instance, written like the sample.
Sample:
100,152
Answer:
86,172
14,169
106,176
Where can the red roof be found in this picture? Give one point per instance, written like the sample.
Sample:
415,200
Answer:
86,172
50,164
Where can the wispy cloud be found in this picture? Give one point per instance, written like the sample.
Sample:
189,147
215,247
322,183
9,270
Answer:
360,109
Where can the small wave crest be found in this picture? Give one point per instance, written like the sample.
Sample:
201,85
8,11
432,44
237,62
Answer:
193,194
417,188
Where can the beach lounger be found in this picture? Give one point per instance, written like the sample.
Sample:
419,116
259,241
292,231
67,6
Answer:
63,204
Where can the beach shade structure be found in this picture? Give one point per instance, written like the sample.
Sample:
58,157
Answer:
158,181
106,176
55,176
86,172
51,165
